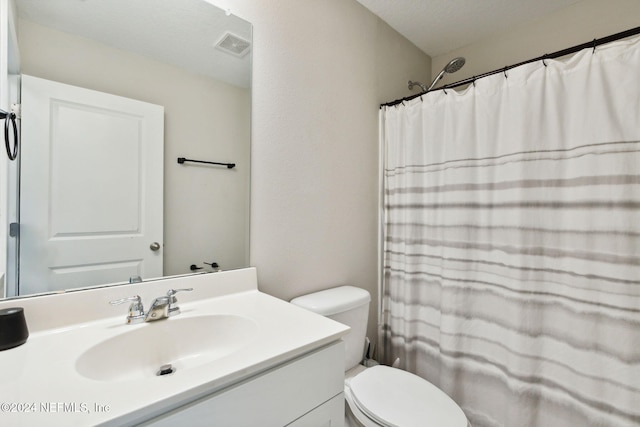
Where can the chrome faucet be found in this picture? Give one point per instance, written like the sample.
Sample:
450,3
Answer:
161,307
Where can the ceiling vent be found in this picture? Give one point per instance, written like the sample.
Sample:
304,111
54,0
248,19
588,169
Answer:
233,45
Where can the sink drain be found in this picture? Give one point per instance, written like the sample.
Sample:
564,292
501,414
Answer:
166,370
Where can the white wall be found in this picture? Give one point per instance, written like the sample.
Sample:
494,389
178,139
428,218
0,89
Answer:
206,208
571,26
321,69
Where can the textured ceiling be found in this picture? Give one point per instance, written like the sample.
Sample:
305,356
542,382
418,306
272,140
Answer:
181,33
440,26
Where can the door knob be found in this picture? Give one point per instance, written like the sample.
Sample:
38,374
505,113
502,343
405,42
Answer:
155,246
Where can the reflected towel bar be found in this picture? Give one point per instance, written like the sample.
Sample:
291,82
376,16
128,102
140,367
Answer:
10,119
181,160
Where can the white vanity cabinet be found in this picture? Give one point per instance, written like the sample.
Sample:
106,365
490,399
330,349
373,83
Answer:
304,392
241,358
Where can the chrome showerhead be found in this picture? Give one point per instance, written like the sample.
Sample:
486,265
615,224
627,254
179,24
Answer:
454,65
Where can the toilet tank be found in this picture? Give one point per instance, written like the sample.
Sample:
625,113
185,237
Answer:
345,304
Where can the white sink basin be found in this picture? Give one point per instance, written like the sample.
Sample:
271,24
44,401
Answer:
184,343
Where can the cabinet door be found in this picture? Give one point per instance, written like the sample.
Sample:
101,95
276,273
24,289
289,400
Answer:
330,414
283,395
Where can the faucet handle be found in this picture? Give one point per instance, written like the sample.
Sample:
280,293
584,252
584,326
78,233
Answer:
172,300
136,309
136,300
172,292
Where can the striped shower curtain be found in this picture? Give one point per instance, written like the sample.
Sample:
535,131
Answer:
512,241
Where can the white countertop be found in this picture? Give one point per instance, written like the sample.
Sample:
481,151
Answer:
39,384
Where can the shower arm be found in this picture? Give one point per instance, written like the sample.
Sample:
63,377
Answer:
412,84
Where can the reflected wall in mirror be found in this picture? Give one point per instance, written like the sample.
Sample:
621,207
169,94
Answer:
92,183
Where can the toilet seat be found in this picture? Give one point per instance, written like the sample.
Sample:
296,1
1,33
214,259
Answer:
392,397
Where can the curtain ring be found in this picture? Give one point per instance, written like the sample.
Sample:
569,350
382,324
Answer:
543,60
505,72
474,81
594,46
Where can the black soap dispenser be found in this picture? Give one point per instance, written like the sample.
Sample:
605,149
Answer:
13,328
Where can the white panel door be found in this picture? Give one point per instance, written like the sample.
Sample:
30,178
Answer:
91,187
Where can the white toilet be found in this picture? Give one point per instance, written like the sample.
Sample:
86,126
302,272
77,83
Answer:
381,395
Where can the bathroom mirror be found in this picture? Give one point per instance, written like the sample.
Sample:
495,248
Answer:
190,62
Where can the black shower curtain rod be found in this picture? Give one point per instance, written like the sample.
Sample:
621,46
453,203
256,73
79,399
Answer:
568,51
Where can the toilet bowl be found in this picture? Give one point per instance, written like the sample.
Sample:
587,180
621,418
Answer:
380,395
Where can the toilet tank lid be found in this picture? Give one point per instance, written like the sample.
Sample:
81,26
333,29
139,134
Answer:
334,300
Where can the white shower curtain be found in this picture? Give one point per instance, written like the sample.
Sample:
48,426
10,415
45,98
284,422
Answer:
512,241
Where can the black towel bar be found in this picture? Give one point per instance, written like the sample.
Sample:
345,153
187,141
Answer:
181,160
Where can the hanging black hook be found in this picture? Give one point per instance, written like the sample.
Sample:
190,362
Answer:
544,62
595,43
10,118
505,72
